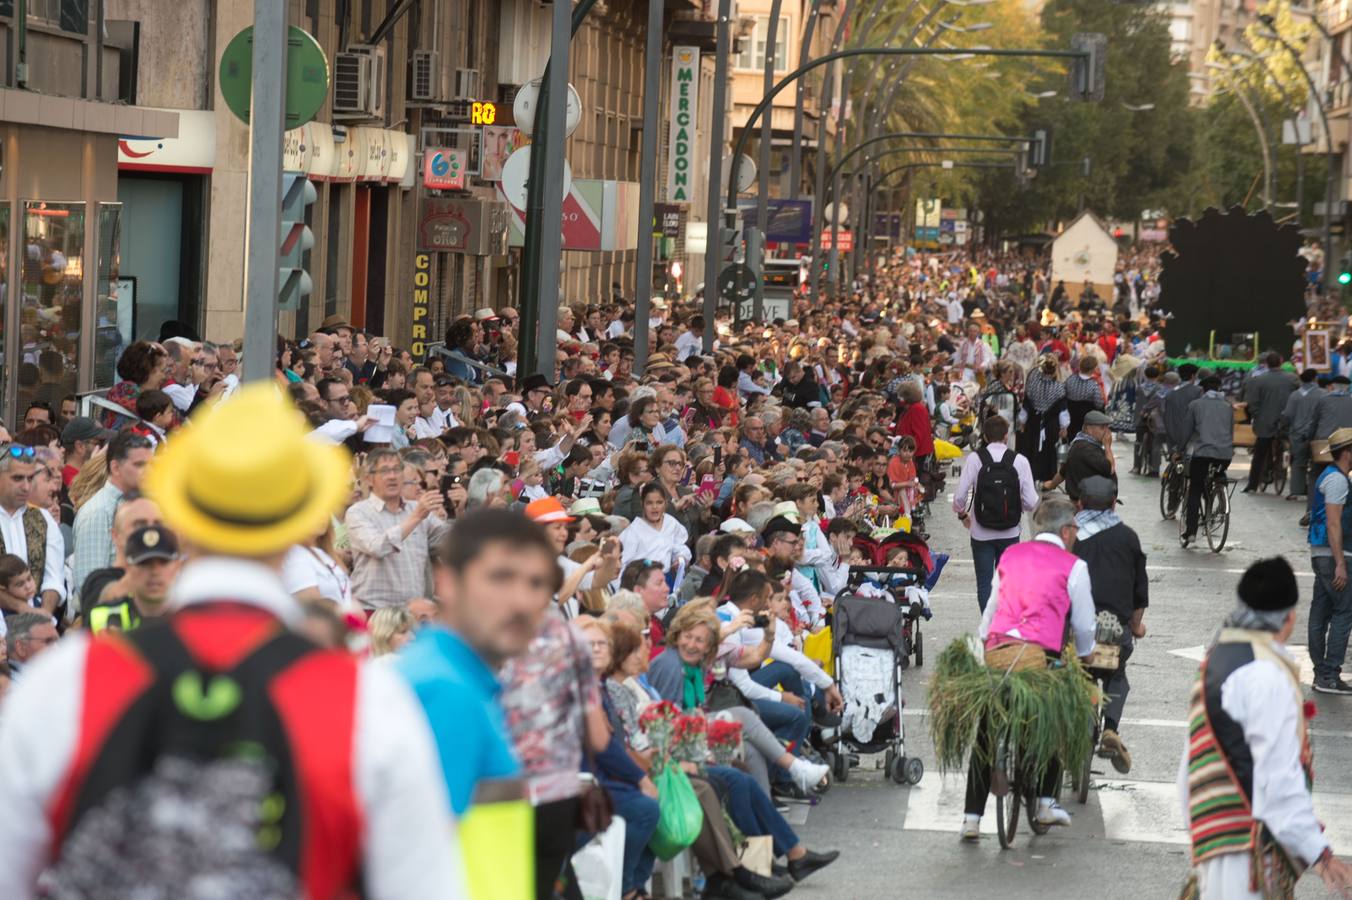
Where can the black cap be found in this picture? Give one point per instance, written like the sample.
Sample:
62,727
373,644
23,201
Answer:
779,524
1269,585
1340,379
83,428
1098,492
536,383
151,542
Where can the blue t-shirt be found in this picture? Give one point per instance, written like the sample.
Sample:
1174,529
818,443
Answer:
459,693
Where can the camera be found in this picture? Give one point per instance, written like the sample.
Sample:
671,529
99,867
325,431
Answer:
761,620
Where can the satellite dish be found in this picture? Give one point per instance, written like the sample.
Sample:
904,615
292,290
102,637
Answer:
525,103
516,172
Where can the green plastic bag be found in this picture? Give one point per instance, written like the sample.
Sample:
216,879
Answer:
679,817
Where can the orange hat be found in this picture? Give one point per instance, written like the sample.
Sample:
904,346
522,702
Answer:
547,510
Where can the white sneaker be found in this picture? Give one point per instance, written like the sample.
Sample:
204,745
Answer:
971,828
807,775
1049,812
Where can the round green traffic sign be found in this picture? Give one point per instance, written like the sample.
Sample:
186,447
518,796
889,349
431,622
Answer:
307,76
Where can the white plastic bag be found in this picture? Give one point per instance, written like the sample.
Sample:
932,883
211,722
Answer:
599,865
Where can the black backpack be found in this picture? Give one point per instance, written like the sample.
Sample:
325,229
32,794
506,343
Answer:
998,501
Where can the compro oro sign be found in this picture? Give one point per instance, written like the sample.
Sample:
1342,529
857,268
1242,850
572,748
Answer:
422,304
683,111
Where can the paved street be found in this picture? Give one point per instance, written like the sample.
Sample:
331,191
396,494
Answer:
1128,840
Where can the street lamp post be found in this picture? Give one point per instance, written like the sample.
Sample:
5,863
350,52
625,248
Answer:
647,187
714,240
1328,145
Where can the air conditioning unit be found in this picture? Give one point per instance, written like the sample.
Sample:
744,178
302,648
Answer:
467,84
359,83
425,76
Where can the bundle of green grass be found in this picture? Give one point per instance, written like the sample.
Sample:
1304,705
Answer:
1045,712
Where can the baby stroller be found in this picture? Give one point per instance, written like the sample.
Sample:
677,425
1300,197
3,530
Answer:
918,569
870,647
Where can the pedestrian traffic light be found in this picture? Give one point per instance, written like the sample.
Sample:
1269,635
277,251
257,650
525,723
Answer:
297,194
1345,269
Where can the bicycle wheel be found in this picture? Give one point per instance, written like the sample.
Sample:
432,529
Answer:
1281,466
1217,516
1168,506
1006,803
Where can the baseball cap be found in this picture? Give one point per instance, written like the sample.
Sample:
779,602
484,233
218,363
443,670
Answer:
83,428
151,542
547,510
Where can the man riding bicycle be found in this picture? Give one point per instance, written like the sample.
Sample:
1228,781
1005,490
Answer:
1040,589
1210,426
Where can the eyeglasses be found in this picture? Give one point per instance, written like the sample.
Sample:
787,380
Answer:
209,366
389,470
347,398
20,451
673,462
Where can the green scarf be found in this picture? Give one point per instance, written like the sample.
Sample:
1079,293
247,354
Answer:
692,696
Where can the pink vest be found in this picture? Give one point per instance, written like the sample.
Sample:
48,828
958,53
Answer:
1033,598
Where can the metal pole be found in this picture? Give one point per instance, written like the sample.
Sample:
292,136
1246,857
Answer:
539,271
819,194
756,245
263,230
714,246
647,185
800,95
551,208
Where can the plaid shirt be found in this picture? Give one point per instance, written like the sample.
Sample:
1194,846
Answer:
387,569
94,535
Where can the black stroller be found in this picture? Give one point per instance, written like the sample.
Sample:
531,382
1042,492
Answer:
870,637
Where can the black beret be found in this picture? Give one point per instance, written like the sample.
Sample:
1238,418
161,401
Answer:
1269,585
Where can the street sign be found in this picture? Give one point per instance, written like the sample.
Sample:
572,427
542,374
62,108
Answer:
516,172
443,169
682,115
846,240
307,76
524,107
666,220
737,283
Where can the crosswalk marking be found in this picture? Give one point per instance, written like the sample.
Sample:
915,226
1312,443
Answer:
1142,812
1173,723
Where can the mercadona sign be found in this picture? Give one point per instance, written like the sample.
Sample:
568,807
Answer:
684,106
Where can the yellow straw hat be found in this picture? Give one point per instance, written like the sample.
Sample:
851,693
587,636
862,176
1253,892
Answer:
245,480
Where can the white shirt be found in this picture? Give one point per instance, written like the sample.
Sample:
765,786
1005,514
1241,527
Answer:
426,427
181,394
311,567
641,541
1259,697
443,419
954,311
805,599
687,345
53,563
1083,617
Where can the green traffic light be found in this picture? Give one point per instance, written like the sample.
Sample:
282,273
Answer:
1345,277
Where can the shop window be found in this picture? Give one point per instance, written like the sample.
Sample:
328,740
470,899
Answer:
115,321
53,257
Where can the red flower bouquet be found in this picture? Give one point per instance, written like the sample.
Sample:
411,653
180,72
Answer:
724,738
658,722
689,738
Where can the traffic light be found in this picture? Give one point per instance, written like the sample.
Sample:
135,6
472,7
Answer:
1087,70
1040,150
297,194
1345,269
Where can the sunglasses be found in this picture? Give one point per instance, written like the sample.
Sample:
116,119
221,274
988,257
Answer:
19,451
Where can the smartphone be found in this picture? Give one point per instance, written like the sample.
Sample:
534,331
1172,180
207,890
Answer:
761,620
708,485
718,457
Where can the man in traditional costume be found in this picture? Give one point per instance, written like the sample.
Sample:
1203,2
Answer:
1246,772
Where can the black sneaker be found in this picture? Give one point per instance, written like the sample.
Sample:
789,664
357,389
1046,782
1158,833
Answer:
1333,686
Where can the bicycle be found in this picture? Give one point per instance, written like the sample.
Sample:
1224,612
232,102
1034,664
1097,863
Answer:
1013,786
1278,465
1173,486
1214,513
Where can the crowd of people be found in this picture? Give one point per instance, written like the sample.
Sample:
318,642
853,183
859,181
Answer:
439,601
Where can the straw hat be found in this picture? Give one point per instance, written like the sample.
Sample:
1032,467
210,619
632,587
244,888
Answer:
245,480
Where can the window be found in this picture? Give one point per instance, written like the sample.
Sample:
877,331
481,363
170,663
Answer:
1180,30
753,48
68,15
